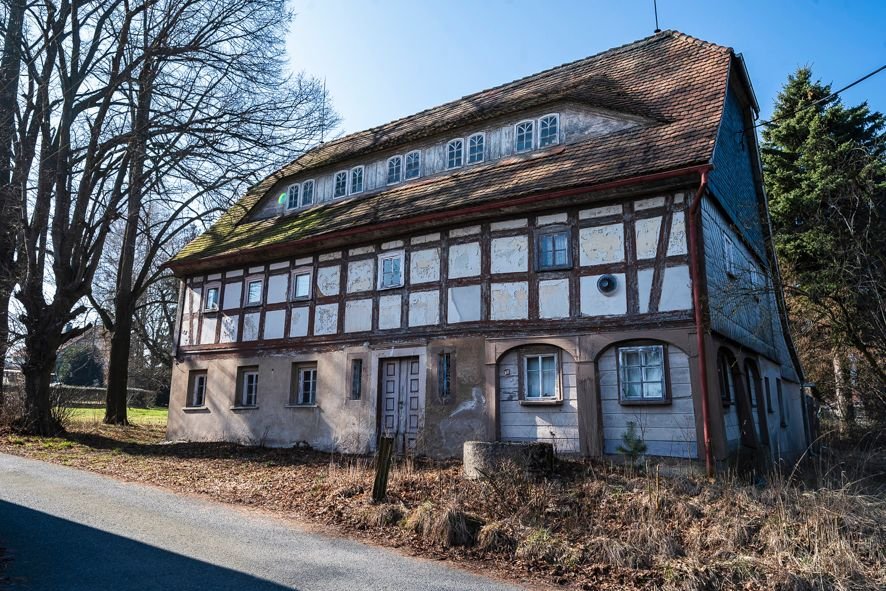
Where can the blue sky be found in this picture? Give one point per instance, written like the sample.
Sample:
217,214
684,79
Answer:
383,59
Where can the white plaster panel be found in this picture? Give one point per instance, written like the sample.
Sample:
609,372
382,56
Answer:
644,288
259,269
298,321
553,298
424,308
677,239
467,231
277,285
600,212
433,237
594,303
279,265
304,261
234,273
194,299
361,275
601,244
392,244
464,304
250,326
510,254
361,250
648,203
509,224
509,301
207,331
678,198
390,308
424,266
358,315
647,237
329,256
464,260
275,321
231,297
228,328
213,277
676,292
326,319
328,280
554,218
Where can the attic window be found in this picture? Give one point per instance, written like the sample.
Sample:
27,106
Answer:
455,153
395,168
292,201
548,130
357,180
476,143
307,193
413,165
341,184
524,134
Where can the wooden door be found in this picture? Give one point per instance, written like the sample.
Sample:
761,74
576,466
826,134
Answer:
402,405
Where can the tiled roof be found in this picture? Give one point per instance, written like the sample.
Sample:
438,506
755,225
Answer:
676,81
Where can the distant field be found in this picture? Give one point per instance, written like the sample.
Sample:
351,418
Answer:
138,416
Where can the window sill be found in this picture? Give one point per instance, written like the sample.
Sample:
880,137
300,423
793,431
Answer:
387,287
551,402
252,407
210,311
665,402
302,405
195,409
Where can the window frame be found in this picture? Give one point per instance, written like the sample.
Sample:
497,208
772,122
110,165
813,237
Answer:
551,231
782,408
394,254
312,183
665,398
354,170
242,392
556,117
289,205
296,392
445,374
770,409
335,177
539,354
482,136
755,383
206,290
355,378
294,274
388,162
405,174
726,377
194,376
729,257
531,139
461,162
247,303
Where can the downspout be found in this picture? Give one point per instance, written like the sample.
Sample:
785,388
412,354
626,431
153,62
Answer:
695,264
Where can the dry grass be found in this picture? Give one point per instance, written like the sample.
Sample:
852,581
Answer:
589,526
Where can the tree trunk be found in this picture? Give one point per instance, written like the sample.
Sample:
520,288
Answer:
37,418
118,368
845,403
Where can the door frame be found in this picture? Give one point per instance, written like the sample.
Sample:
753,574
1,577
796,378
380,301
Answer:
376,357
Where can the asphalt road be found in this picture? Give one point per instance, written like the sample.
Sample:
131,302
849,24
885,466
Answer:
69,530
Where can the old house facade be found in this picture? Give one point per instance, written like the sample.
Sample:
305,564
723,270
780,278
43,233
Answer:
552,259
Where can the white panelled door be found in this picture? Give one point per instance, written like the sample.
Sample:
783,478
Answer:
402,403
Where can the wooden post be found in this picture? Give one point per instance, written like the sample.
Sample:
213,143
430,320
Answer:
382,468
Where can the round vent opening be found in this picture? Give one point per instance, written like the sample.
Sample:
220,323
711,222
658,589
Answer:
607,284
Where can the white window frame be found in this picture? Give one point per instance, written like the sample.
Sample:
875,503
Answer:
446,154
289,205
300,399
399,179
395,254
362,170
665,394
405,167
313,185
298,273
729,256
244,392
556,117
526,394
261,292
335,194
482,136
531,147
199,381
206,290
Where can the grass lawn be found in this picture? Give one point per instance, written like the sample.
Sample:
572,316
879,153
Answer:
137,416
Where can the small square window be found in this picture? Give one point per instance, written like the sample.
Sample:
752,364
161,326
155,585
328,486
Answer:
455,153
357,180
292,201
253,293
304,384
307,193
413,165
548,130
552,250
641,373
248,386
390,270
301,285
395,169
197,389
524,136
356,379
476,144
211,302
540,377
340,188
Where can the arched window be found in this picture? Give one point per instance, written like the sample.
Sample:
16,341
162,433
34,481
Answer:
307,193
455,153
395,169
548,130
357,180
524,136
340,188
413,165
476,145
292,201
755,389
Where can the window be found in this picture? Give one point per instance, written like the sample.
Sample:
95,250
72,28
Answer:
753,378
248,383
253,293
340,188
307,193
444,375
524,133
357,180
768,390
356,379
390,270
476,144
304,390
540,376
197,389
641,373
395,168
725,365
729,256
413,165
455,153
292,201
301,285
782,411
211,302
548,130
552,250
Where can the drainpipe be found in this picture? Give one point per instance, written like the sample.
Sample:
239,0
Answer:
695,264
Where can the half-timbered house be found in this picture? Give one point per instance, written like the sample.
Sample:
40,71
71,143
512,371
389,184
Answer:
552,260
